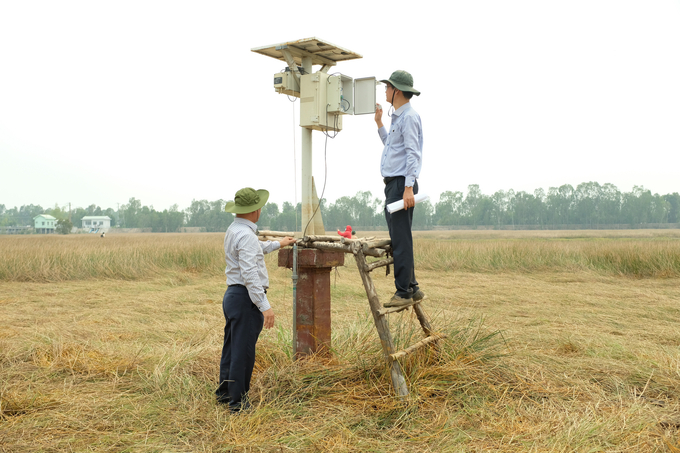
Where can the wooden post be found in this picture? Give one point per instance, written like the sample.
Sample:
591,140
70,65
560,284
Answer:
381,325
424,322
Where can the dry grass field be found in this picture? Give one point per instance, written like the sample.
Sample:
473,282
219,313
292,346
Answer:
558,341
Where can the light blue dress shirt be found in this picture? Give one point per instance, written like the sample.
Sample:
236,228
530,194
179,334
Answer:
403,152
244,254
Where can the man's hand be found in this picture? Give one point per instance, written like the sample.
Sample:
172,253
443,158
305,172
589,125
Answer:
409,199
268,318
287,241
378,115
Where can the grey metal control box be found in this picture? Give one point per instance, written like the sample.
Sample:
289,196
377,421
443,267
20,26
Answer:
286,83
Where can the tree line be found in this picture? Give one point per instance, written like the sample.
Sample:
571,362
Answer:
587,205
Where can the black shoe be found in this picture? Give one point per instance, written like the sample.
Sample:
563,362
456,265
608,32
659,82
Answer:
239,407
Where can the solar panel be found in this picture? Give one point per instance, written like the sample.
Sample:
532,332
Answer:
321,52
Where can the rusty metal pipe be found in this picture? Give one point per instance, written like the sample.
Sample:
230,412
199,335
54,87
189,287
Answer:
295,279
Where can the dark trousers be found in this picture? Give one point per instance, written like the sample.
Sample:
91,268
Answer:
399,224
244,323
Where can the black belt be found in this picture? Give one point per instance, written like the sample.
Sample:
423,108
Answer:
389,179
243,286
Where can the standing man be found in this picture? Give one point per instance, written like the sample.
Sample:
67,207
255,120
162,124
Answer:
245,305
400,165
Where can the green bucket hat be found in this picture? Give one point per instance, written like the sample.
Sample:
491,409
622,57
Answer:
247,200
402,81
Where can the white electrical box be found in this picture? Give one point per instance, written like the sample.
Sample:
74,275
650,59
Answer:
315,108
352,97
325,98
364,96
340,94
286,83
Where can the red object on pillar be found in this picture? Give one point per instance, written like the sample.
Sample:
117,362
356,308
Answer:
312,329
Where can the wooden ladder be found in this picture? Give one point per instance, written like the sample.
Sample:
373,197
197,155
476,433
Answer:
380,319
379,248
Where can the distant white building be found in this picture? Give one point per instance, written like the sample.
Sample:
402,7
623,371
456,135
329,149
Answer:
44,223
96,222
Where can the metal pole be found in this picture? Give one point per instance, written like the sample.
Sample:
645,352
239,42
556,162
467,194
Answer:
306,173
307,205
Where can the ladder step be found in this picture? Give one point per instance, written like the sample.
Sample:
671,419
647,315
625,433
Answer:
385,311
380,263
375,244
420,344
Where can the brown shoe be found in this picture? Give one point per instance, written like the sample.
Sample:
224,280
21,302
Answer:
419,295
397,301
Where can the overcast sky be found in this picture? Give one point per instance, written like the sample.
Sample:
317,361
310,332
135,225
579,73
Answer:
165,102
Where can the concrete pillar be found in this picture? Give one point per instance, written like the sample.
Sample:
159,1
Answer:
312,329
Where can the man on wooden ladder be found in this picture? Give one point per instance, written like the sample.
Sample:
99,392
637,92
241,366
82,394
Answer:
400,165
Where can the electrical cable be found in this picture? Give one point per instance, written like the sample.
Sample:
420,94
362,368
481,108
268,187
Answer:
335,117
325,179
295,98
295,168
335,124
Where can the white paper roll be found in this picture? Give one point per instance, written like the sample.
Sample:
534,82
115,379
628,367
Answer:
399,204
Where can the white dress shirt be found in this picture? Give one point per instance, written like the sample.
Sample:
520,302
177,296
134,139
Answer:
244,254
